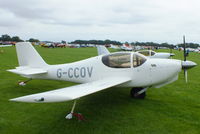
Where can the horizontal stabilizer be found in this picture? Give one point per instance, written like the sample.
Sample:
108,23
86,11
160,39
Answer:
27,71
73,92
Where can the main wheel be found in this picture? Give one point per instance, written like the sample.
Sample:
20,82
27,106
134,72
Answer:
134,93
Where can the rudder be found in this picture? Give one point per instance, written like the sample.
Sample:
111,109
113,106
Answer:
28,56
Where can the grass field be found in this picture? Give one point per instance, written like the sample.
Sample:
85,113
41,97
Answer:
172,109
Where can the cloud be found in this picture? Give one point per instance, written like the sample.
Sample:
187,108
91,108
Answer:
125,20
25,9
89,12
8,19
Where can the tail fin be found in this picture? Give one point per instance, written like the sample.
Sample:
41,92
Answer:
28,56
102,50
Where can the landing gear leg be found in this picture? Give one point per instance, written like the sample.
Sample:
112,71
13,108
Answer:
138,92
23,83
71,114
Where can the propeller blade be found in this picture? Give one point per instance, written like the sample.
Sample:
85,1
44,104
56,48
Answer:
184,55
186,75
184,48
170,49
185,66
171,54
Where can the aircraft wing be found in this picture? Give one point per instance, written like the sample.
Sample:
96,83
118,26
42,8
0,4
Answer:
73,92
102,50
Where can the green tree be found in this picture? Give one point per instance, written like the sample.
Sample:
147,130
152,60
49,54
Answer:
5,37
191,45
16,38
98,42
63,42
33,40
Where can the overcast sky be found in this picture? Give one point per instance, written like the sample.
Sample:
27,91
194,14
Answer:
122,20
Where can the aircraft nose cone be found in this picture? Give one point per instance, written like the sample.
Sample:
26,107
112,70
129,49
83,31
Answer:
188,64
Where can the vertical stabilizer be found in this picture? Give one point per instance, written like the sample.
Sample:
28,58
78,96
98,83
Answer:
102,50
28,56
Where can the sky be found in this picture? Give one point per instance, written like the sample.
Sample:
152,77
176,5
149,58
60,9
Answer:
122,20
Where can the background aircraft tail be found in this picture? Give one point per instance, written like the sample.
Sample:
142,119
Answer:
28,56
102,50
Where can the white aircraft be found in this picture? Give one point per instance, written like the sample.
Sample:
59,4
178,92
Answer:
114,46
126,47
153,54
122,69
102,50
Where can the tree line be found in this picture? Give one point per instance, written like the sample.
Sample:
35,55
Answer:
153,44
105,42
191,45
96,42
6,37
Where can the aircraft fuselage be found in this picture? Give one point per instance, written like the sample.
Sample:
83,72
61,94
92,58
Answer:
152,73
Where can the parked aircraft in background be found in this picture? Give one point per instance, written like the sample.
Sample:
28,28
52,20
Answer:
6,45
153,54
114,46
126,47
122,69
102,50
193,50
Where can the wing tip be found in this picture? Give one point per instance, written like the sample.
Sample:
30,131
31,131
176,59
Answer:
14,99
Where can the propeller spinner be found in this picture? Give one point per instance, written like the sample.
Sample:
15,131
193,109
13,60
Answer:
186,64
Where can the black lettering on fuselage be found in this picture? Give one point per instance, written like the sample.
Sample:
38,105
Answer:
76,73
70,72
83,72
89,71
59,73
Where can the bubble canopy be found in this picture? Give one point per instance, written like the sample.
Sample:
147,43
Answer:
123,60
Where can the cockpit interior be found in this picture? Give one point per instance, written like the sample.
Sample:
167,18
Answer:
123,60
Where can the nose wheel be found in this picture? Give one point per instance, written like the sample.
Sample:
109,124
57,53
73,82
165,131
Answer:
138,92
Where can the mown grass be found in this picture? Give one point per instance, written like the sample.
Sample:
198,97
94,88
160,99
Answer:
173,109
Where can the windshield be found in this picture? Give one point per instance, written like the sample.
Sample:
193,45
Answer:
138,60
